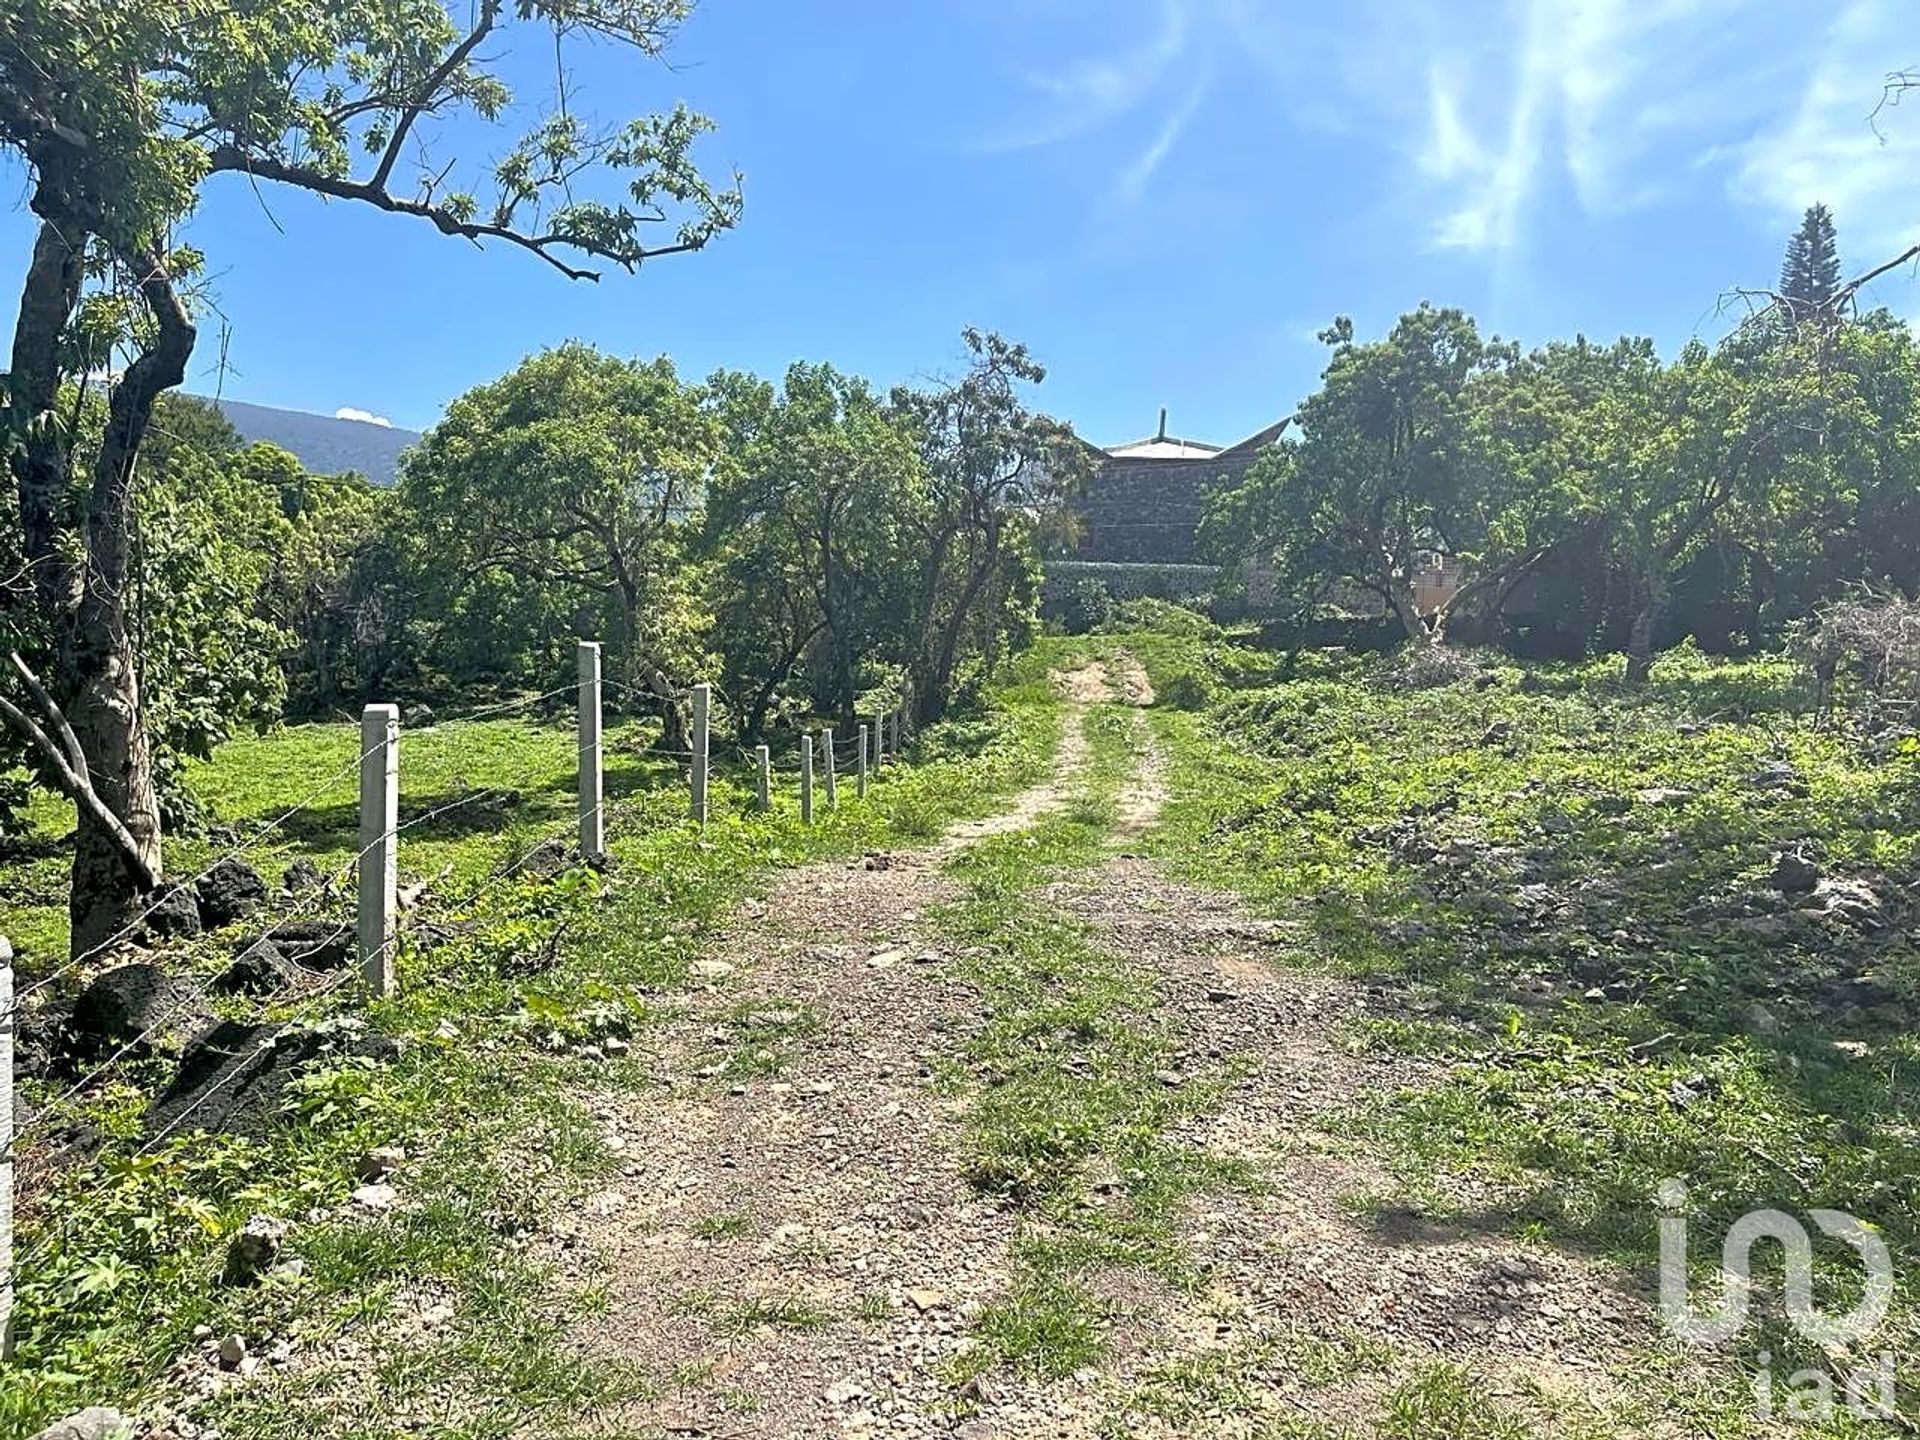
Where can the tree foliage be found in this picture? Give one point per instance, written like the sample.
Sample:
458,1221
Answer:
121,111
1595,495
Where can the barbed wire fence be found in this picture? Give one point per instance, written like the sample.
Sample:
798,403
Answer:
297,991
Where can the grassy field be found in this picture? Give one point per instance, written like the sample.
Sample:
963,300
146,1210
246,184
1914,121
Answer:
1563,893
508,1006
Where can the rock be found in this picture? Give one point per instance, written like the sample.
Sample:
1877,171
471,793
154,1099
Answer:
1794,873
176,916
1852,902
925,1300
1763,1022
136,1005
1172,1079
419,717
886,959
710,969
233,1349
546,860
233,1076
259,969
301,876
230,891
380,1162
844,1392
878,860
252,1252
1498,733
96,1422
309,944
376,1197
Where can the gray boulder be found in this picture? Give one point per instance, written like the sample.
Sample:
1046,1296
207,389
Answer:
251,1253
128,1004
1794,873
96,1422
259,969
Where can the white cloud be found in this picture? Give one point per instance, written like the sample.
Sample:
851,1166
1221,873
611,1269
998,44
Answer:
1089,91
1134,180
1827,149
347,412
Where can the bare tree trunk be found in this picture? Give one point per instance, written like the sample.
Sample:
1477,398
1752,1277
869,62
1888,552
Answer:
1400,598
1646,618
102,670
84,605
930,700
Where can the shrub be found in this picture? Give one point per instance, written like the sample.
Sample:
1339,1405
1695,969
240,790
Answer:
1089,605
1163,617
1188,690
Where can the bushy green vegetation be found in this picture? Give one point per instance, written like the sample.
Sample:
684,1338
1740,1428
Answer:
506,1007
1562,893
1587,497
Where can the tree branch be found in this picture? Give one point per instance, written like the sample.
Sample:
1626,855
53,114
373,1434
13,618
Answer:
71,777
262,167
423,97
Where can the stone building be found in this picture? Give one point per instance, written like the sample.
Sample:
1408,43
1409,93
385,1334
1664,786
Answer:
1143,504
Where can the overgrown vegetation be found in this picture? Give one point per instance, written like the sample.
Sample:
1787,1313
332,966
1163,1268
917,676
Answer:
504,1014
1639,934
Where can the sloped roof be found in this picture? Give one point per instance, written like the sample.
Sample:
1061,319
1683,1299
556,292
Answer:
1160,447
1166,447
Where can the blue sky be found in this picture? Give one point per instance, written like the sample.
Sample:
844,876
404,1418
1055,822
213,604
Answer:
1164,198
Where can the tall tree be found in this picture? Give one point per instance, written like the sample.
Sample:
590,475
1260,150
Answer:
560,501
819,499
1391,466
1810,273
997,472
122,110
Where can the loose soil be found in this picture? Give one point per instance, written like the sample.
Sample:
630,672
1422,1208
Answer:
792,1250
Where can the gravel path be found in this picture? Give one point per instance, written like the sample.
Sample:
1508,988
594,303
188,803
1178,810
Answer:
795,1253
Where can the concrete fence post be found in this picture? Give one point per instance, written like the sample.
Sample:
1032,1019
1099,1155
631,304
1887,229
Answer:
702,708
764,798
879,740
826,749
806,779
860,749
593,803
379,850
7,1028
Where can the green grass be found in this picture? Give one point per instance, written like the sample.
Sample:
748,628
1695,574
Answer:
1067,1123
1553,934
502,1005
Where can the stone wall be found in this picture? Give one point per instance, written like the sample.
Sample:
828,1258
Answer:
1138,511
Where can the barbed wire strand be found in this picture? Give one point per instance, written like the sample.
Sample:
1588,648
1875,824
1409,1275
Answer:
162,895
505,706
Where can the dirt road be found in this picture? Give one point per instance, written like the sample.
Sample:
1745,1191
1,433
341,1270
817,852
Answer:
794,1251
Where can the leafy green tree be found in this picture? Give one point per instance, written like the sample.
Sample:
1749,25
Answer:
816,507
1394,464
997,473
121,111
333,591
561,501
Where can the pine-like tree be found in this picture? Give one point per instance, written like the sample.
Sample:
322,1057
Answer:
1810,275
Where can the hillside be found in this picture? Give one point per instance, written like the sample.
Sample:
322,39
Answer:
325,444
